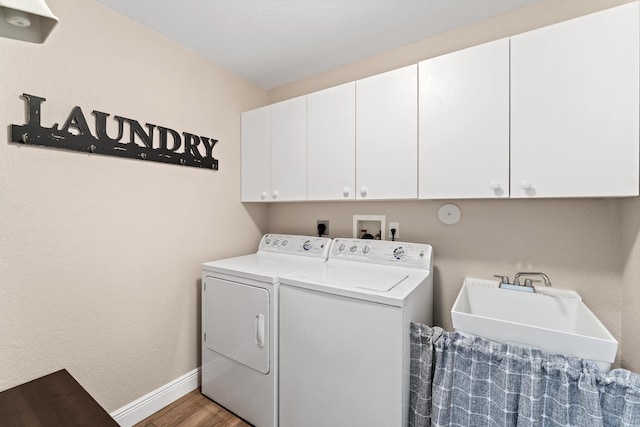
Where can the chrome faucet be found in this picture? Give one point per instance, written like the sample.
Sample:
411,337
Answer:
528,282
504,284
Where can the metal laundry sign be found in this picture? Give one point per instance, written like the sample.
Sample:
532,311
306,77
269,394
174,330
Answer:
155,143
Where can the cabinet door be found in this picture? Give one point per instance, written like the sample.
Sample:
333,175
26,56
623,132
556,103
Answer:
574,107
331,143
289,150
256,155
464,123
387,135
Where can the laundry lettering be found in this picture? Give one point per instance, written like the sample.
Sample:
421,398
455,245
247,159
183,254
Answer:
118,136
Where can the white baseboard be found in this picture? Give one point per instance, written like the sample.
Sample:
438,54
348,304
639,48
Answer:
151,403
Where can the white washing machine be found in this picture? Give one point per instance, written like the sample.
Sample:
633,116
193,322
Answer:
240,323
344,334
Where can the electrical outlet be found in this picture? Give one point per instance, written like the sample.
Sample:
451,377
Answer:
325,222
396,226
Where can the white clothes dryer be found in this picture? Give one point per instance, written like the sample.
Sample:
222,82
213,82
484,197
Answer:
240,323
344,334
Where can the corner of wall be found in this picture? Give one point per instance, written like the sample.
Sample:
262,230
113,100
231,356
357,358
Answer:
630,298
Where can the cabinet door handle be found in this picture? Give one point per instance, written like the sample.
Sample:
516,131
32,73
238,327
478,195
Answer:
363,191
259,330
345,191
263,195
525,185
495,185
275,194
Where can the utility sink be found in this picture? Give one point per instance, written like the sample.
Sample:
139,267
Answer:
553,320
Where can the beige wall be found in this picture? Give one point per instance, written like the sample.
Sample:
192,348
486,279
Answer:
576,242
100,256
630,307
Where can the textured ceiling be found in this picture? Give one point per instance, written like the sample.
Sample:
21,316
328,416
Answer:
275,42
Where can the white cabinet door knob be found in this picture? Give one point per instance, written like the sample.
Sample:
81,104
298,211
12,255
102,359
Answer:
345,191
525,185
363,191
495,185
275,194
263,195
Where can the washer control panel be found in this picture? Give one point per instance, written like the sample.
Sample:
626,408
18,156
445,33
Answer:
295,245
416,255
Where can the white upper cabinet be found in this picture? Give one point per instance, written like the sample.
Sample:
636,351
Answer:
289,150
274,152
386,135
331,143
464,123
574,107
256,155
553,112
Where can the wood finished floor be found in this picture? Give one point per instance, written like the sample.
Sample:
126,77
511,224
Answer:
193,410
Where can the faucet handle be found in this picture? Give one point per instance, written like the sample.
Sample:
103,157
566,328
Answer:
504,280
516,280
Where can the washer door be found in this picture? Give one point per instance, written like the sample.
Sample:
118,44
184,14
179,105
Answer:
237,322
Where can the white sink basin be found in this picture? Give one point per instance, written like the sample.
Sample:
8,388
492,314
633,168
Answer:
553,320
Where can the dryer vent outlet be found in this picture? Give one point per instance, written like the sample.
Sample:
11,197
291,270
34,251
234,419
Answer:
322,227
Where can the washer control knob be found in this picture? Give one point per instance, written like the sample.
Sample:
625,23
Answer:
366,249
399,252
285,243
275,242
267,240
353,248
307,245
341,247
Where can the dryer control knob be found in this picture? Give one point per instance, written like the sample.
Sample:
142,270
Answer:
341,247
353,248
285,243
307,245
399,253
366,249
